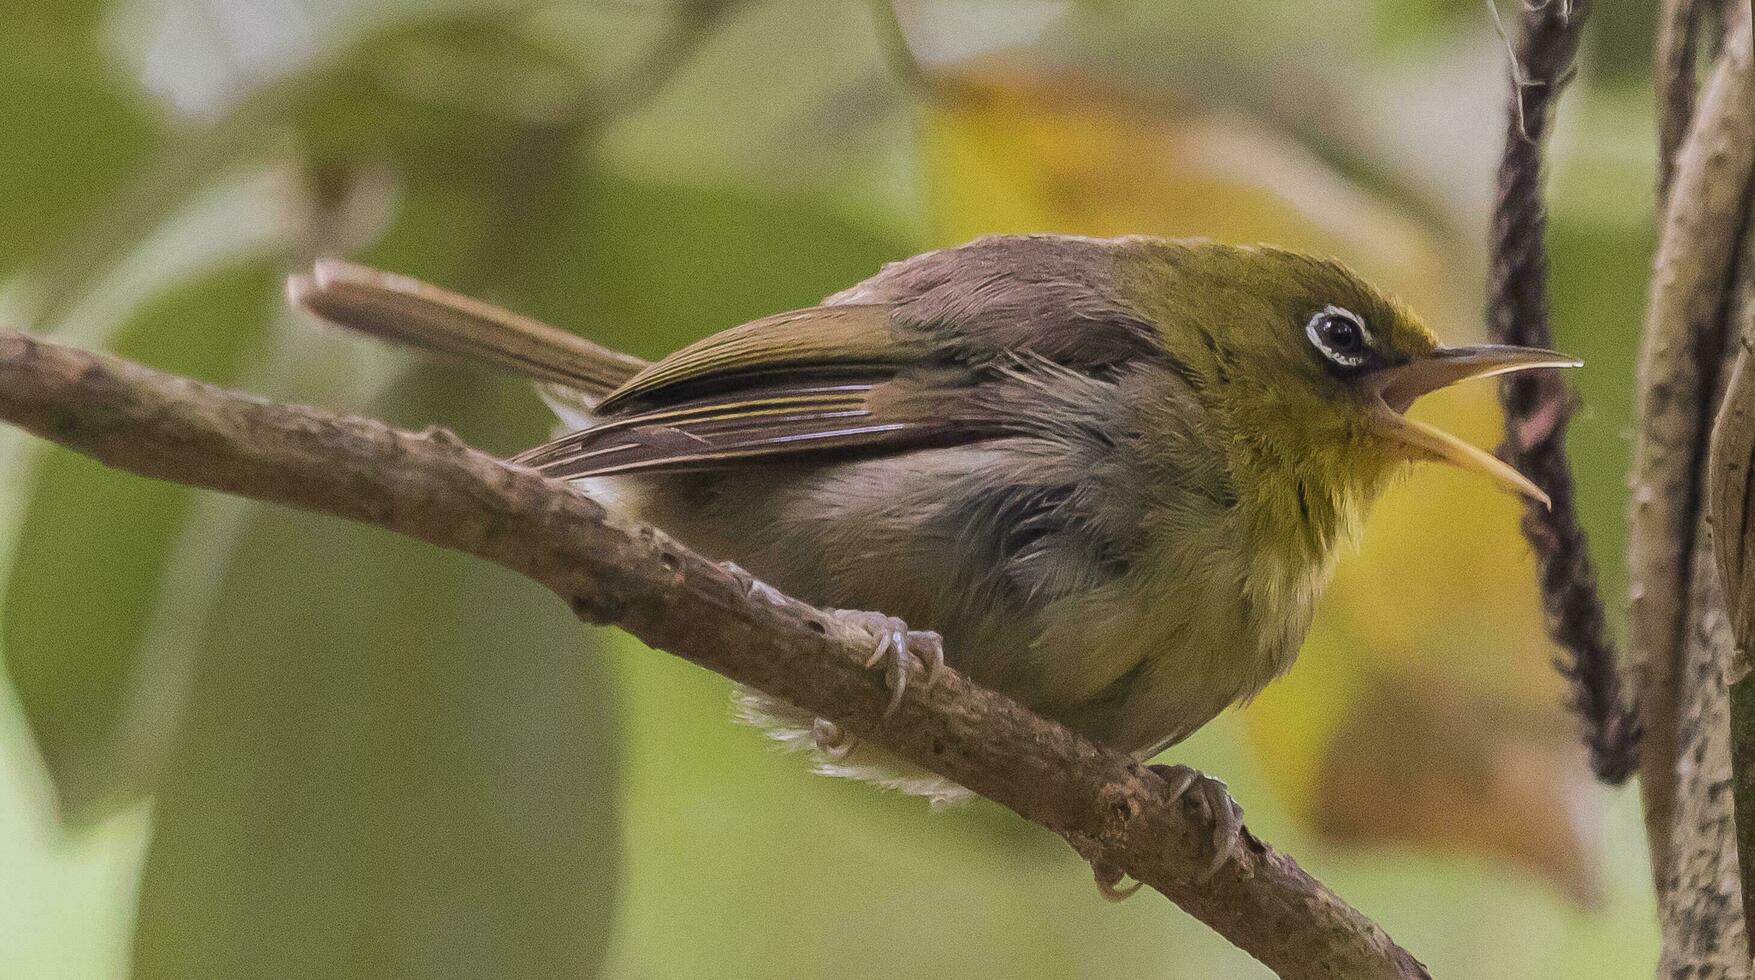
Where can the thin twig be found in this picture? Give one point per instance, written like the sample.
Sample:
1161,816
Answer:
898,51
1539,405
1521,80
694,24
432,487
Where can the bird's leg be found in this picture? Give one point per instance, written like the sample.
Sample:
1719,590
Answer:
895,649
1222,811
1210,795
896,645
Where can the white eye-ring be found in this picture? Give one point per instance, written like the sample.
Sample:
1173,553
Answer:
1341,336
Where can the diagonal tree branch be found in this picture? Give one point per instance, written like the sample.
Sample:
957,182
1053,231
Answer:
432,487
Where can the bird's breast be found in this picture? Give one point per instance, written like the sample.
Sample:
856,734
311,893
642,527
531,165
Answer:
1209,624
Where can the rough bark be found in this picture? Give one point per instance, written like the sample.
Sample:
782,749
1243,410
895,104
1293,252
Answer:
1678,25
1724,742
1700,904
1681,346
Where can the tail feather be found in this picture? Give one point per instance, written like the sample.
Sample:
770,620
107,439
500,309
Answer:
409,311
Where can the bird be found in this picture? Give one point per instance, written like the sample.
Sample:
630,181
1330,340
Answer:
1108,477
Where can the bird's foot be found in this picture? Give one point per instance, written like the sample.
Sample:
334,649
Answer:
1222,812
896,648
833,741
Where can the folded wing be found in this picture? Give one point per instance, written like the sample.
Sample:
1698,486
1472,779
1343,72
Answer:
936,349
812,381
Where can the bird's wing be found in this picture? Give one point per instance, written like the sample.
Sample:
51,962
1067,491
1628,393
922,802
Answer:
776,418
820,341
921,354
806,382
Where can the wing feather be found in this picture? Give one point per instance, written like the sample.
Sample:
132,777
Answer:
926,352
723,430
821,339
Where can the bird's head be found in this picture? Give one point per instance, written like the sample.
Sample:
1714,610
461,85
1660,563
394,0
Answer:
1316,368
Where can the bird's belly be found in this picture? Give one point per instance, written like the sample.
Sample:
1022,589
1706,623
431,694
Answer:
1144,671
1137,663
849,536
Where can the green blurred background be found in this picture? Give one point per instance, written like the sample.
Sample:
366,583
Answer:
240,742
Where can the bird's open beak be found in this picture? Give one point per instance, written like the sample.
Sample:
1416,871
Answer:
1399,386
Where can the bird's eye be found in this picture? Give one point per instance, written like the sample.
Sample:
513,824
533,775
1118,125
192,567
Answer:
1341,337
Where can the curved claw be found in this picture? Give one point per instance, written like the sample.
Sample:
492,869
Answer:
896,677
886,638
934,647
1223,812
894,650
1107,880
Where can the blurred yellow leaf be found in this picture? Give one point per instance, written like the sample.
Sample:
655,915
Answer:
1422,758
1015,150
1423,709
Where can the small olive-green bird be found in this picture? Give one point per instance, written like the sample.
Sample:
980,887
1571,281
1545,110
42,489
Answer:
1112,474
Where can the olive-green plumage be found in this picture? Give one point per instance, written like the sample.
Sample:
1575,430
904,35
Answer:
1113,474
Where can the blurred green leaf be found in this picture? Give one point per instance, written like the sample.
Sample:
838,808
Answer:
55,30
435,99
1600,273
650,265
398,762
743,865
72,129
402,94
89,566
643,265
1412,23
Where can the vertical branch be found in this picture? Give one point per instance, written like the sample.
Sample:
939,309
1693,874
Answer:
1678,25
1682,340
1700,916
1538,405
1730,508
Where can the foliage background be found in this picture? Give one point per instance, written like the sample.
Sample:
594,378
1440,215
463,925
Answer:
238,742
